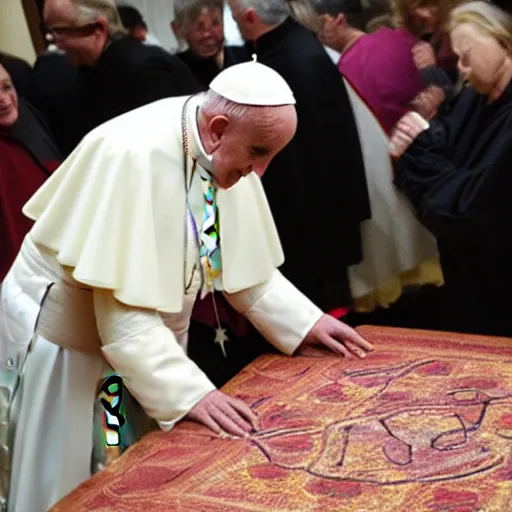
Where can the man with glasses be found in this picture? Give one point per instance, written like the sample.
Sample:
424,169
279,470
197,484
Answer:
116,72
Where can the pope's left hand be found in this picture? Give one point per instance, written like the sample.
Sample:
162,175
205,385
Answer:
334,336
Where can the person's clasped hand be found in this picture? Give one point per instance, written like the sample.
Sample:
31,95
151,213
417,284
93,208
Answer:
406,130
423,55
427,102
331,335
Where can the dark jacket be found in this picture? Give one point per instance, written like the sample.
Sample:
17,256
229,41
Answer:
28,155
317,185
205,70
457,175
128,75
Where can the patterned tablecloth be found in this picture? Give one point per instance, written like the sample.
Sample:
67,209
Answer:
423,424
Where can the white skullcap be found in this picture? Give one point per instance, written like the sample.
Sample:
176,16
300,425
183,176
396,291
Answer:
252,83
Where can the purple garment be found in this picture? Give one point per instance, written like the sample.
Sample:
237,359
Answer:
380,68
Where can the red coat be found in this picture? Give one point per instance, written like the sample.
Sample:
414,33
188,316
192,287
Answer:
20,176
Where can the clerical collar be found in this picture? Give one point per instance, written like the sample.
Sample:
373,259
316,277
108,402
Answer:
195,145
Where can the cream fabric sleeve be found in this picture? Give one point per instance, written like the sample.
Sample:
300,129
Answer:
280,312
149,359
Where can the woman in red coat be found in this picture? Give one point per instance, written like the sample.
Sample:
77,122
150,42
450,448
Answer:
27,157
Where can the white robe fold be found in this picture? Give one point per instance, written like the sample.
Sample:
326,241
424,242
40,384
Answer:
394,242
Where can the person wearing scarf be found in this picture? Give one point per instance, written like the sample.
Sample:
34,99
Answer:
28,155
153,210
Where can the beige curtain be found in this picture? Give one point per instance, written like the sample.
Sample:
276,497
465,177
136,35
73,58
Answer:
14,34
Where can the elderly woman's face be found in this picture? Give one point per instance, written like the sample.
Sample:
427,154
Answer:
205,36
8,101
427,17
481,56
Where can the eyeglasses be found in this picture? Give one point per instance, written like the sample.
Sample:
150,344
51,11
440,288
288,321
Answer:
73,31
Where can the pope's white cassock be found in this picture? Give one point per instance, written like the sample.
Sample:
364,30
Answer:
108,275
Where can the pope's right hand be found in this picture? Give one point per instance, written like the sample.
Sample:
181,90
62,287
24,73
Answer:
224,414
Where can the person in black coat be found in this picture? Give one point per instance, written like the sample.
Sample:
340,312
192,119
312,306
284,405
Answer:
200,24
456,173
28,155
114,73
317,185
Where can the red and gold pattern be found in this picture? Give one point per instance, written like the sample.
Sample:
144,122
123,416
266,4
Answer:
423,424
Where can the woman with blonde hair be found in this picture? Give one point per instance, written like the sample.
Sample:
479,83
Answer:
456,172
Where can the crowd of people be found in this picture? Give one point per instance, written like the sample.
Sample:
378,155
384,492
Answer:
169,217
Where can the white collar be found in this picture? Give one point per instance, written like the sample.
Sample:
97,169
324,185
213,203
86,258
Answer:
195,145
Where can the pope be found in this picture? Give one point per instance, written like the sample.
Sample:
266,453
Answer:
152,209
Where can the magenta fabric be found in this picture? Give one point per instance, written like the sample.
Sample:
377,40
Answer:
380,68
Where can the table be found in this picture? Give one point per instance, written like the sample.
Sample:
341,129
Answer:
423,424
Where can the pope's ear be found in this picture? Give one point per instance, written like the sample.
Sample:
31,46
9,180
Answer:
218,127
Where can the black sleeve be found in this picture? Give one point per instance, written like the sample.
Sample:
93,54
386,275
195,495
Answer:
464,205
436,76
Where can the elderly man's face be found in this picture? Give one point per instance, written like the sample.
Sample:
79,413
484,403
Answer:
205,36
82,43
239,15
249,144
8,101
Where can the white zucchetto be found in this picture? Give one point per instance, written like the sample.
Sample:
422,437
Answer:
252,83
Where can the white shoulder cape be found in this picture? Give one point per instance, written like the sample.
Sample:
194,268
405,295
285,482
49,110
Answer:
115,212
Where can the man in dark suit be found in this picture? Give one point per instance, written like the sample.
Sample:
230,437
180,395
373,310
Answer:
317,185
200,24
115,72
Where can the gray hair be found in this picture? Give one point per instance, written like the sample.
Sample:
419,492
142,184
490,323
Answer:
303,12
270,12
214,104
187,11
88,11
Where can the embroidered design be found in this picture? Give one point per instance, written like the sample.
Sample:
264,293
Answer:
111,397
210,252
